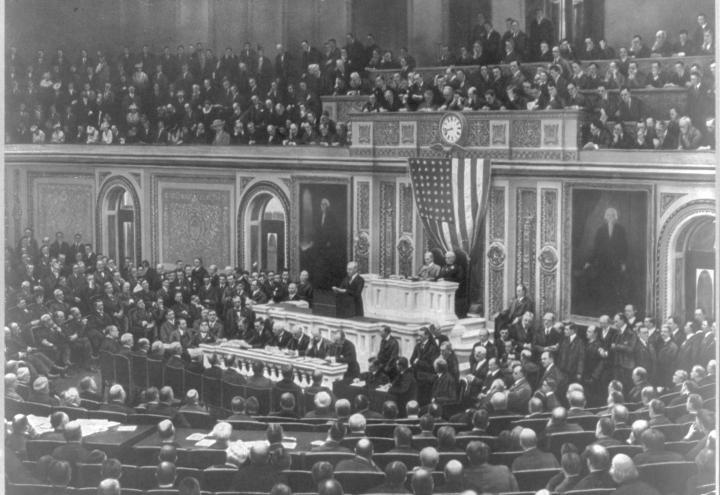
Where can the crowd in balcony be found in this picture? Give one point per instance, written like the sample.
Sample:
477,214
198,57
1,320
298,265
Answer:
634,382
193,96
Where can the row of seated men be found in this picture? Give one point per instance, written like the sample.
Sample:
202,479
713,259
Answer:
259,466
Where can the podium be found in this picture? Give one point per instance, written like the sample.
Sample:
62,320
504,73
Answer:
409,301
328,303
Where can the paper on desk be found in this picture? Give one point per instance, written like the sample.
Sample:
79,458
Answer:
357,384
289,442
206,442
196,436
126,428
383,388
317,443
39,423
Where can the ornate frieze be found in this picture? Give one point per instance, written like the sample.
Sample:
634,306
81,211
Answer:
525,237
525,133
387,228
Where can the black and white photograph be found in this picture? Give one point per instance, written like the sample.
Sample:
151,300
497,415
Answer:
352,247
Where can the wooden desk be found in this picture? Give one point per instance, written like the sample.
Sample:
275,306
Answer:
304,439
117,443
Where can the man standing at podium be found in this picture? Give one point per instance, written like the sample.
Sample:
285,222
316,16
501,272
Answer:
352,285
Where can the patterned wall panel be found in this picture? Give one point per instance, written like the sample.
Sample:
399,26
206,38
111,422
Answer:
386,133
548,257
407,208
387,228
196,222
526,231
361,249
479,133
496,213
495,251
525,133
63,206
405,249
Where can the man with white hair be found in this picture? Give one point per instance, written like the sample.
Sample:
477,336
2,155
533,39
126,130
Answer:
625,474
454,272
352,285
116,401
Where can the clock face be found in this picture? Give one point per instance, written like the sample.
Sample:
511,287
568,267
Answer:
451,128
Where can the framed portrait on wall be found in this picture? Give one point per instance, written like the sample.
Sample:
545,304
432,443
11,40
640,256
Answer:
610,240
323,221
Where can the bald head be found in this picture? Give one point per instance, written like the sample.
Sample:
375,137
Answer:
364,448
453,471
165,473
357,423
259,454
422,482
330,487
559,416
72,432
623,469
109,487
429,458
528,439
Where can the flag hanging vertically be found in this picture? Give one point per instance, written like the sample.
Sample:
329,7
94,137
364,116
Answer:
451,197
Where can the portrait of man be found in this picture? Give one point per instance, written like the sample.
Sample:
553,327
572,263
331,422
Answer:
609,250
323,232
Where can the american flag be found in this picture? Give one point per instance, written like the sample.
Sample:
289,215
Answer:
451,195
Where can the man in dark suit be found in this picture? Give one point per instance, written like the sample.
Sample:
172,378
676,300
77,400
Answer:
520,392
598,463
445,386
344,352
571,354
623,351
260,475
453,271
353,285
532,457
482,476
116,401
73,451
258,380
319,346
388,353
689,351
59,246
552,376
540,29
362,462
404,386
517,307
333,442
626,477
545,338
422,362
520,331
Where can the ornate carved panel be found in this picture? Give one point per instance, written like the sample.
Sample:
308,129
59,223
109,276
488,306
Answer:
363,205
479,133
551,134
66,207
364,132
666,199
499,134
386,133
525,133
525,237
496,214
428,132
406,209
549,215
196,221
496,268
17,206
405,250
408,134
387,228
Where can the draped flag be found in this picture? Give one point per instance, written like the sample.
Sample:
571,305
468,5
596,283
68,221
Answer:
451,197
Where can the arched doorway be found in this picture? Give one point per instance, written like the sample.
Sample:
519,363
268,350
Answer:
264,231
695,268
118,217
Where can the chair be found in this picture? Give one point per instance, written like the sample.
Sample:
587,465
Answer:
199,420
588,423
263,395
300,481
673,432
72,412
445,457
230,390
622,434
385,458
682,447
461,442
107,368
139,367
422,442
200,458
500,423
380,429
668,398
674,412
356,482
38,448
275,419
185,472
13,407
155,370
301,427
88,475
123,372
109,415
144,455
308,401
534,479
299,403
310,458
707,391
248,425
29,489
581,439
709,404
504,458
668,477
380,444
193,380
145,419
212,391
536,424
219,479
90,405
175,377
595,491
145,476
628,450
36,409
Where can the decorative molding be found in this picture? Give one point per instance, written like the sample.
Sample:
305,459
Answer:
526,228
666,251
407,208
259,187
243,183
428,132
496,277
479,133
549,216
497,213
525,133
362,252
666,199
387,228
499,131
548,259
363,205
405,248
551,134
496,256
108,185
408,134
386,133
